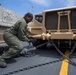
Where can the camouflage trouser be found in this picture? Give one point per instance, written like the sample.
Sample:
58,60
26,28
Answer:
14,43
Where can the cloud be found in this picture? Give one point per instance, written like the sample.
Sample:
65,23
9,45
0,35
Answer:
71,2
68,2
42,2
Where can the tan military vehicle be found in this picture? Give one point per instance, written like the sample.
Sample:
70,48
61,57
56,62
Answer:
58,25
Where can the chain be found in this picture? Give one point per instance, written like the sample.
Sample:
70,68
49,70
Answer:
66,57
72,50
31,67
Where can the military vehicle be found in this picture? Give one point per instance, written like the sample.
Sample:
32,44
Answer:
58,25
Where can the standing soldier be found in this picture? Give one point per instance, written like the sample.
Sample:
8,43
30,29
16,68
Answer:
13,38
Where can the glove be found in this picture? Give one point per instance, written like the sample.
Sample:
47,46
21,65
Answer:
30,41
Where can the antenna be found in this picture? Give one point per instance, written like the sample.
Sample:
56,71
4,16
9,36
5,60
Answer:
32,9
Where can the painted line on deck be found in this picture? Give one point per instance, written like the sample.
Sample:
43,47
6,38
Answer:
64,67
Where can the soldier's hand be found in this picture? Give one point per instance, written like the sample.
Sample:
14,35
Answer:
30,40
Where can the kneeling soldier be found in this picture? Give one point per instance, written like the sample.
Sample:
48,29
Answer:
13,38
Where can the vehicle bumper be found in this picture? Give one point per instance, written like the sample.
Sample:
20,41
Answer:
56,35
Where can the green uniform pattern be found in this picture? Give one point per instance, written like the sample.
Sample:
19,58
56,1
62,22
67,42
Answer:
13,37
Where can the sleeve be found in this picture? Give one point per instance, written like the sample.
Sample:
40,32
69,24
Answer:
22,32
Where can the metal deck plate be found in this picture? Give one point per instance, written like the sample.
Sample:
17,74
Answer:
42,56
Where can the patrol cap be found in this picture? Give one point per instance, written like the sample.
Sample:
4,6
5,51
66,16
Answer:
29,15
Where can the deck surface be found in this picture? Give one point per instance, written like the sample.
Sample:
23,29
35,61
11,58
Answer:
42,56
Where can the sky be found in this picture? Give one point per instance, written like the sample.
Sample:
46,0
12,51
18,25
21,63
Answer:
35,6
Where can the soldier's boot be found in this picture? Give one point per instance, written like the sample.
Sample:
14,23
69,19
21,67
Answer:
3,63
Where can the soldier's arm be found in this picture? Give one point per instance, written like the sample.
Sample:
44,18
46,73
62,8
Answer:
22,32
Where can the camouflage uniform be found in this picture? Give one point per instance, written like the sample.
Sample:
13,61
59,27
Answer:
13,38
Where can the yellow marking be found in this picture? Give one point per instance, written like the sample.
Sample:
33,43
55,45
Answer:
64,67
